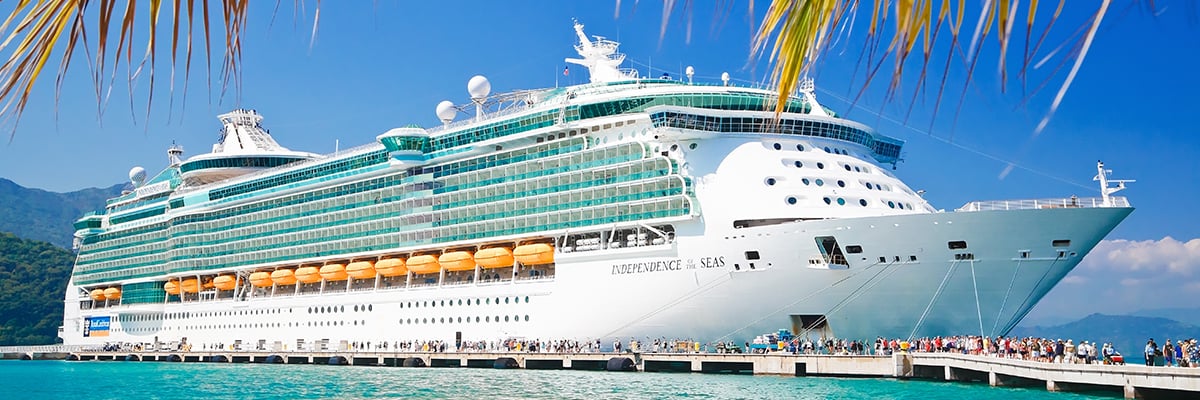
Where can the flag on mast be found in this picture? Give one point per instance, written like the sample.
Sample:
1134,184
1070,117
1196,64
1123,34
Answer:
566,71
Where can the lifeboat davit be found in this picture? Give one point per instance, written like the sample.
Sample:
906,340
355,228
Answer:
495,257
171,287
190,285
425,264
262,279
308,274
334,272
361,269
228,282
534,254
112,293
391,267
457,261
97,294
283,277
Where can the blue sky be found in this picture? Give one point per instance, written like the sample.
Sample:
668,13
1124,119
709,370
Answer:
379,65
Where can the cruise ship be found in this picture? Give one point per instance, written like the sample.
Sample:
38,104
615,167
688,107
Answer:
626,207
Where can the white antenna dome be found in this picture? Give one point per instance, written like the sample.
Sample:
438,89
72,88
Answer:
446,111
725,78
137,175
689,72
479,87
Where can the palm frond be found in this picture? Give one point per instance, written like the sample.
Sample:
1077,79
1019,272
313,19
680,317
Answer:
799,33
37,29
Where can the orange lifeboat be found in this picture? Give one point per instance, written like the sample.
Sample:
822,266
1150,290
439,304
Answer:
283,277
308,274
190,285
112,293
227,282
262,279
361,269
534,254
457,261
97,294
171,287
425,264
208,284
334,272
391,267
495,257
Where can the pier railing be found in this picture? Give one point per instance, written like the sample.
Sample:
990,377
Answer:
1070,202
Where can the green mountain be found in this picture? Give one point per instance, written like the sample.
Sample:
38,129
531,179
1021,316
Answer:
48,216
33,276
1127,332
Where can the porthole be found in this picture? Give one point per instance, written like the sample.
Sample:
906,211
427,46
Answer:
370,307
820,182
443,303
820,165
770,181
489,301
505,318
856,169
847,167
355,308
778,146
476,319
692,146
460,302
827,201
841,183
526,299
487,319
526,318
862,202
505,300
460,320
674,147
497,302
869,185
800,147
799,164
827,150
804,181
791,200
841,201
891,204
442,320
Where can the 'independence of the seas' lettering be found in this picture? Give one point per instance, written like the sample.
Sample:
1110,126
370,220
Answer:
668,265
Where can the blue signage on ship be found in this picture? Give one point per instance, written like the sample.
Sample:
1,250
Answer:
96,326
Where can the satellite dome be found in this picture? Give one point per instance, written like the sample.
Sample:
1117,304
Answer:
137,175
479,87
446,111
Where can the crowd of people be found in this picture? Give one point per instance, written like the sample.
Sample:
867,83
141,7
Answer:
1178,353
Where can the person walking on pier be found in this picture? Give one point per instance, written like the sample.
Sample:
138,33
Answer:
1151,351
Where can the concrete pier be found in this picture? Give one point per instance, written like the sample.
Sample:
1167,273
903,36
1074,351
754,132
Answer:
1131,381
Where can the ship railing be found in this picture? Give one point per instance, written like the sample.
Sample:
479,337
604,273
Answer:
289,166
1070,202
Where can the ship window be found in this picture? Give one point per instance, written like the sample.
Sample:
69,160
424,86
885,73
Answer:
820,182
805,181
800,147
854,249
356,308
957,244
752,255
527,302
912,258
841,183
862,202
489,301
505,300
799,164
827,201
770,181
841,201
791,200
847,167
891,204
869,185
526,318
778,146
1061,243
370,307
827,150
505,318
487,319
820,165
882,259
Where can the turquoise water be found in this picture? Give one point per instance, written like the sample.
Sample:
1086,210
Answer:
142,380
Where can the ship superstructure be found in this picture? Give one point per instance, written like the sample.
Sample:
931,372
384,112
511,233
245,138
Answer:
625,207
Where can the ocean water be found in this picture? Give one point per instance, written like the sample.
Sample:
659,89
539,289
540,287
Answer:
159,380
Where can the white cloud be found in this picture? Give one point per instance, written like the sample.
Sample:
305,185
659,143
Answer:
1151,256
